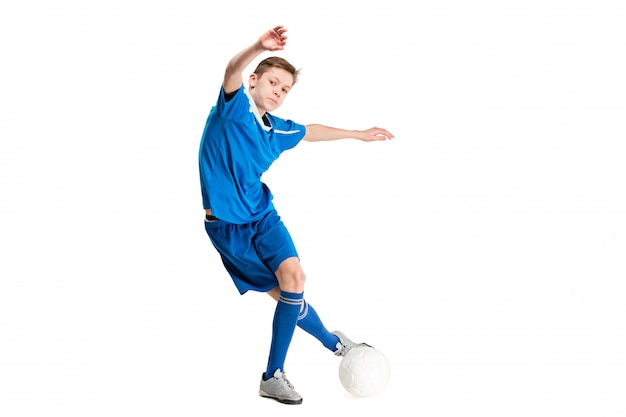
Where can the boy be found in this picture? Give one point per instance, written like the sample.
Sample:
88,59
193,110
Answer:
241,139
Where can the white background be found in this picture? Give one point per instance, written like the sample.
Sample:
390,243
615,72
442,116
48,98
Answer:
482,250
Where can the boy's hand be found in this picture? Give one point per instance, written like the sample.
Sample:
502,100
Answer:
274,39
375,133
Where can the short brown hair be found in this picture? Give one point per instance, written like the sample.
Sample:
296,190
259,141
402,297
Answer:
277,62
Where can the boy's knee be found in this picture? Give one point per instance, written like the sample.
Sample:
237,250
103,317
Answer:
291,277
293,282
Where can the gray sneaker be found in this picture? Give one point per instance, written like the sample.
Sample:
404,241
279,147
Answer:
345,344
279,388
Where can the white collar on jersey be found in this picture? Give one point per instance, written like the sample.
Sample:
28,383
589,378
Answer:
254,110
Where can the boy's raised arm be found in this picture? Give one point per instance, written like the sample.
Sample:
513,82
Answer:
273,40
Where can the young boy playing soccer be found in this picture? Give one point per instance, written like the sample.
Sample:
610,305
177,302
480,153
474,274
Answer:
241,139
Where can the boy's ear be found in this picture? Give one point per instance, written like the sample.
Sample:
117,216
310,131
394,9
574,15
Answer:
252,80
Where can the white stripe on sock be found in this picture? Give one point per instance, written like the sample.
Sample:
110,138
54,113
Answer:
290,301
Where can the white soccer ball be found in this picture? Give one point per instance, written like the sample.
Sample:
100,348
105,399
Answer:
364,371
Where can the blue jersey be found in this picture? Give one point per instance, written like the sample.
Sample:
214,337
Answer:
237,148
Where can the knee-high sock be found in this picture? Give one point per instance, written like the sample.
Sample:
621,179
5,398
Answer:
285,320
309,321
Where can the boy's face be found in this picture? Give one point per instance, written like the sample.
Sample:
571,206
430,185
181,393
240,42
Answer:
270,89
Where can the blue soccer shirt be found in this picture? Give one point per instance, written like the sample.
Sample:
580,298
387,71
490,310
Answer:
236,149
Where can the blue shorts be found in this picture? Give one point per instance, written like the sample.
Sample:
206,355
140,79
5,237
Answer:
252,252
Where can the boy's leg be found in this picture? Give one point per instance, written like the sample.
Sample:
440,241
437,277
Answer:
283,326
274,384
291,290
309,321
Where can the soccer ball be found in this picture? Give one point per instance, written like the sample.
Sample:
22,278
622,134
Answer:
364,371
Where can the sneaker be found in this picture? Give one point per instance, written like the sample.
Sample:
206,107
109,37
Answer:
279,388
345,344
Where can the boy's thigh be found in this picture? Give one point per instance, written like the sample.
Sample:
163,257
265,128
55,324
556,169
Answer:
273,241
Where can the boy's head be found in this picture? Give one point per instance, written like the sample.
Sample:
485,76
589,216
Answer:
277,62
271,81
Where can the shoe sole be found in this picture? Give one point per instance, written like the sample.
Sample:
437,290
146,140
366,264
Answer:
280,400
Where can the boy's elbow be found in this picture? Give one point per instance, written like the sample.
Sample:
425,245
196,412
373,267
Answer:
312,133
232,81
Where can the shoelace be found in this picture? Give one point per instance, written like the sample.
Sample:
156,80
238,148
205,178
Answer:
289,384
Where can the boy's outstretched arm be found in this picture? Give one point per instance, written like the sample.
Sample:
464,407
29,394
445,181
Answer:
273,40
319,133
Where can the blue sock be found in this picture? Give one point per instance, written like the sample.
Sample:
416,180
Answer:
285,320
309,321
